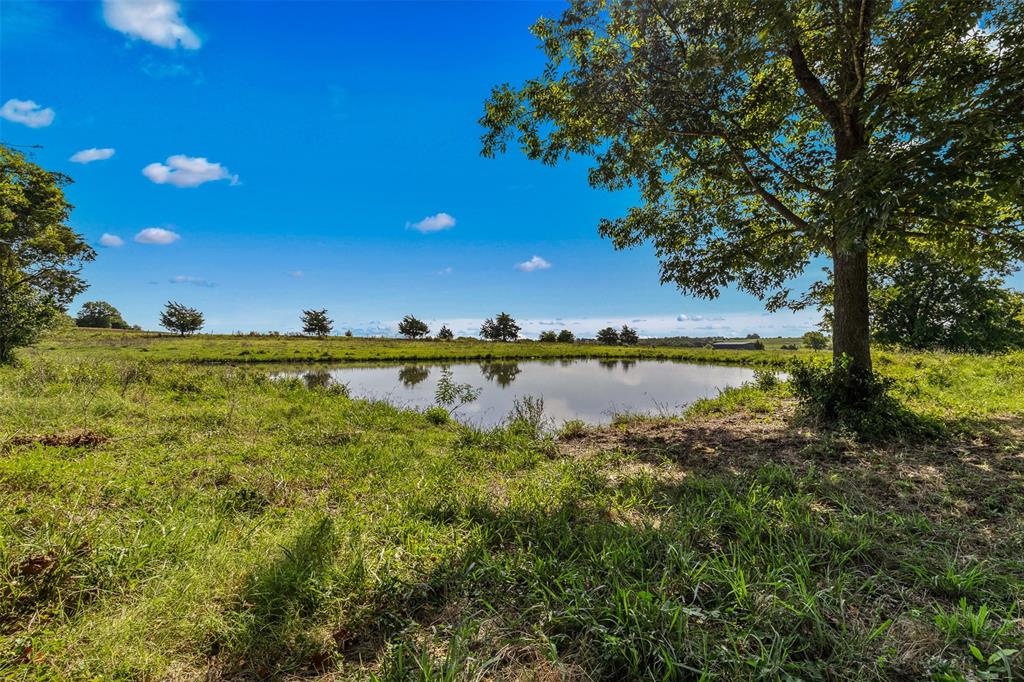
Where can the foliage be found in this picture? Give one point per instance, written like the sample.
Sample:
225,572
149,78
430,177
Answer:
608,336
566,336
501,328
445,334
100,314
815,340
763,135
765,379
316,322
181,319
929,300
412,328
548,337
412,375
628,336
41,257
451,396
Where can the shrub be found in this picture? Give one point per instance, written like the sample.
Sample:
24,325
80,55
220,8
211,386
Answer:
765,379
843,395
437,415
548,337
815,340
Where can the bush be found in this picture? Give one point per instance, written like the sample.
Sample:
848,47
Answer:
765,379
841,395
436,415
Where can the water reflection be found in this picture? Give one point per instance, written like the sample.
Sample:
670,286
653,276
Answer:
590,390
411,375
502,373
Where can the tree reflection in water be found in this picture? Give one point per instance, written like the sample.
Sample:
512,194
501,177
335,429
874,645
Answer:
317,378
410,375
502,373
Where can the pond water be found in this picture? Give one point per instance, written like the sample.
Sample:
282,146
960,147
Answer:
590,390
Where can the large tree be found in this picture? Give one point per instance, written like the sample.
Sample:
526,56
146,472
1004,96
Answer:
316,323
763,135
181,319
412,328
100,314
41,257
503,327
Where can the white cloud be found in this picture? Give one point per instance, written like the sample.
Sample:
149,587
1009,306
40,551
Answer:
92,154
432,223
535,263
187,171
446,271
197,281
157,235
27,113
155,21
107,239
297,274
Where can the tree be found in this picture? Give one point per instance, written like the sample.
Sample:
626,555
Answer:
753,335
628,336
412,328
764,135
100,314
548,337
445,334
928,301
316,322
566,336
608,336
180,318
815,340
41,257
501,328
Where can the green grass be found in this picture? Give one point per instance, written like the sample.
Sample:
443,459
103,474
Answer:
162,520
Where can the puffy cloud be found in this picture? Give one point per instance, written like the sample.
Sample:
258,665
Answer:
197,281
155,21
157,235
27,112
297,274
535,263
112,240
445,271
92,154
433,223
187,171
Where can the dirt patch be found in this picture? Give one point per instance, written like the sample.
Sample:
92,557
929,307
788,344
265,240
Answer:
76,438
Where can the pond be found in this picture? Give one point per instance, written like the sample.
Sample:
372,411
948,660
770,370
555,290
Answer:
589,390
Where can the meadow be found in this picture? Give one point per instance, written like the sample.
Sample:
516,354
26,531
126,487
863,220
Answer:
168,512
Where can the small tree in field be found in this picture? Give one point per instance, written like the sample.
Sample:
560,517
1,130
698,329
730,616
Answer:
548,337
566,336
412,328
316,322
501,328
181,319
100,314
445,334
628,336
815,340
608,336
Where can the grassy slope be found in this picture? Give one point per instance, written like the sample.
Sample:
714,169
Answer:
180,520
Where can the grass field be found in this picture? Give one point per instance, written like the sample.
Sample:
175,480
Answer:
173,520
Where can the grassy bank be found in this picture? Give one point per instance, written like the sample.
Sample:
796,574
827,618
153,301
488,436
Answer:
166,520
107,344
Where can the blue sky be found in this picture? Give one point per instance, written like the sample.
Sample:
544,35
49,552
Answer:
269,157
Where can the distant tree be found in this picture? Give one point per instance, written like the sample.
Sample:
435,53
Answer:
100,314
764,136
815,340
412,328
608,336
928,301
348,333
753,336
445,334
316,322
501,328
628,336
566,336
40,255
548,337
181,319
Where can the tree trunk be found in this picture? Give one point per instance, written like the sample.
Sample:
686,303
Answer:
850,333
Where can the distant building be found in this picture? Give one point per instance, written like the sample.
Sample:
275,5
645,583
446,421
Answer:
737,345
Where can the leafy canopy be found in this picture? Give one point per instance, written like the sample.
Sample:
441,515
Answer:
762,135
608,336
41,257
316,322
445,334
100,314
180,318
500,328
412,328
